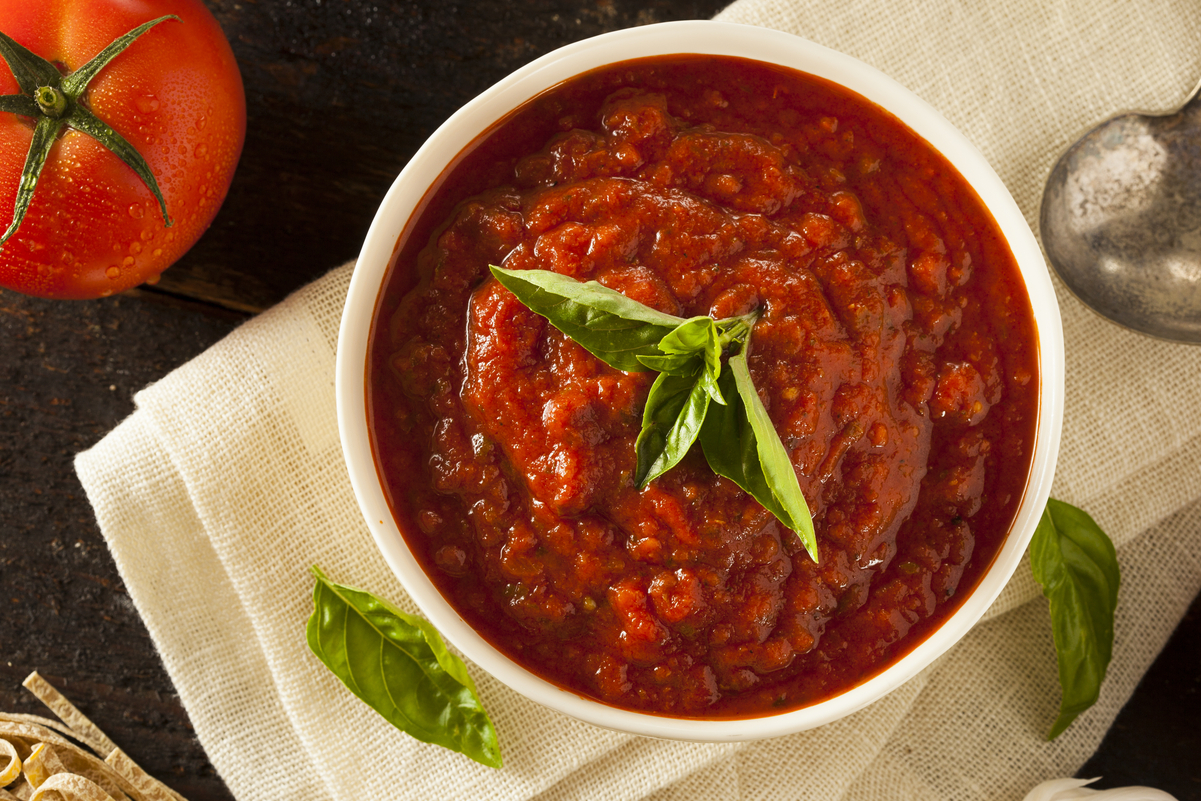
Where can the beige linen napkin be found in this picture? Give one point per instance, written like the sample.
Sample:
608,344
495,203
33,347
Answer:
228,482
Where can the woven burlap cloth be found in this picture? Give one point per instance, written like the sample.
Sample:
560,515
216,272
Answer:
228,481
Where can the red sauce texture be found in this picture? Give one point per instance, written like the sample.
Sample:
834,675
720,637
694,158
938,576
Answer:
895,354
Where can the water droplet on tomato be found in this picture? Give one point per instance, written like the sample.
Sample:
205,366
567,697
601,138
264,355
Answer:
153,279
106,293
135,248
147,103
127,261
157,252
136,211
201,121
113,272
201,150
147,234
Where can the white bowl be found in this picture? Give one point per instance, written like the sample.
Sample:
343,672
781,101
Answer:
678,38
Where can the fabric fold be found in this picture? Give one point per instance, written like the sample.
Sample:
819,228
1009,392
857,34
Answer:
192,612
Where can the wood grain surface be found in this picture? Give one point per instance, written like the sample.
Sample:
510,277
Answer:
341,93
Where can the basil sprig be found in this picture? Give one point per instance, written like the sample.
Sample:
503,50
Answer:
704,389
1077,567
398,664
609,325
741,444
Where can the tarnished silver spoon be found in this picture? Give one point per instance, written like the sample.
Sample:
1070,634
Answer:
1121,221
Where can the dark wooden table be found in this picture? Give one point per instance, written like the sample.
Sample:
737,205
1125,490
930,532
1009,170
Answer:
340,94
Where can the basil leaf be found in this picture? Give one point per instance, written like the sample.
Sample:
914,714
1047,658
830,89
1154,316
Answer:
690,336
606,323
398,664
708,381
676,363
741,444
713,353
675,410
1077,567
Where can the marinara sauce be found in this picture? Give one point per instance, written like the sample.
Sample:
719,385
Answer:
895,353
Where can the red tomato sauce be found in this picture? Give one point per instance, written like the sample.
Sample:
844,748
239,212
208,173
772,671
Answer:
895,354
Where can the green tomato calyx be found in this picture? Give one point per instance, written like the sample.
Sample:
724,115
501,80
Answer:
52,100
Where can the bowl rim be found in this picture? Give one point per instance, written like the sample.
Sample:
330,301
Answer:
706,38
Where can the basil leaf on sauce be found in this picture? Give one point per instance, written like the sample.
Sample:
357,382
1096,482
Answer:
690,336
723,334
713,348
1076,565
700,338
694,397
741,444
674,363
398,664
671,421
604,322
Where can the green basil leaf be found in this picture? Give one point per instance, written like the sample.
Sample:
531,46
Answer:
697,337
398,664
741,444
610,326
713,354
675,410
676,363
1077,567
708,381
687,399
690,336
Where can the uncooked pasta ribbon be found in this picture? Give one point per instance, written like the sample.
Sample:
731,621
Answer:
69,759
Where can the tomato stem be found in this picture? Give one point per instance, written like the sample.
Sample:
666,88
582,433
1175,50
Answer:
52,98
51,101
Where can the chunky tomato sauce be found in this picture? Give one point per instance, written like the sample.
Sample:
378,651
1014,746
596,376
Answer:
895,353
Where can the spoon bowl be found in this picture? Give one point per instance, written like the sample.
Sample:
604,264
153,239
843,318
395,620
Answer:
1121,221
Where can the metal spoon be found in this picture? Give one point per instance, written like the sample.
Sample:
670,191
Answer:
1121,221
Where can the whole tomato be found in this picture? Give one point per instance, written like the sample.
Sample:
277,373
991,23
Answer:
93,227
